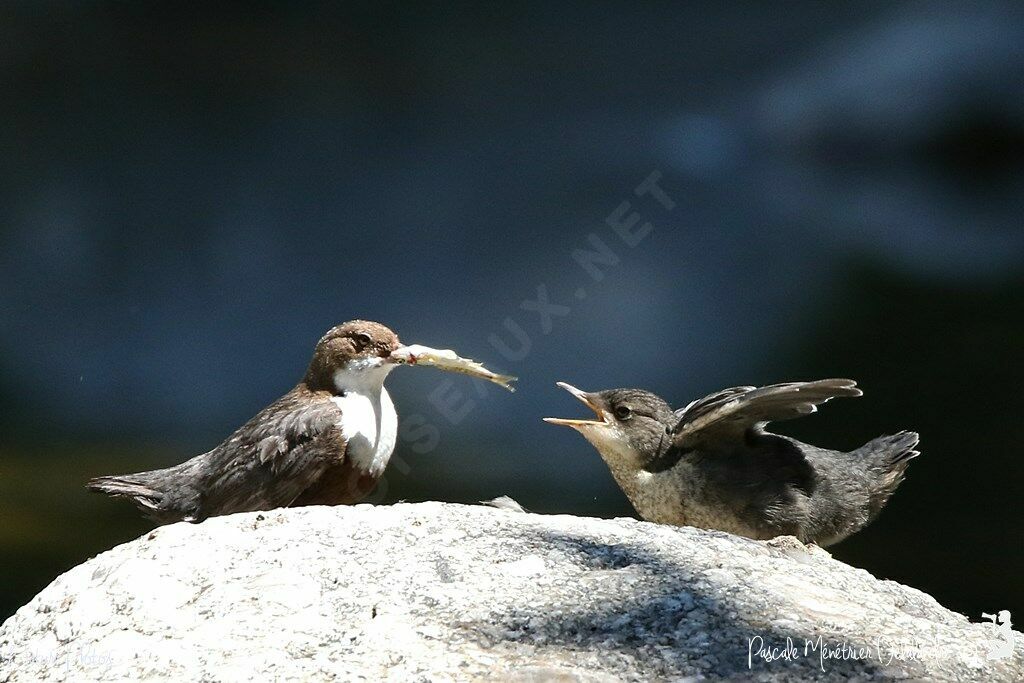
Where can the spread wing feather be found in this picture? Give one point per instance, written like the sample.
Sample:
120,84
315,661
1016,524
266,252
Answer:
731,412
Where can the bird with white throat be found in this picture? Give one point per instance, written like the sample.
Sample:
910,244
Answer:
325,442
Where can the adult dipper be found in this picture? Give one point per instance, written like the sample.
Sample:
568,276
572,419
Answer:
713,465
325,442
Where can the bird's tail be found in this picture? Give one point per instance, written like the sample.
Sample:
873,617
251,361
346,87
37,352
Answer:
140,487
888,458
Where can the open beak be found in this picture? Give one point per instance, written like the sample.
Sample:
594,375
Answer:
591,401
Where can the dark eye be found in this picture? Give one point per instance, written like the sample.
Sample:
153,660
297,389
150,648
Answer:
362,339
623,412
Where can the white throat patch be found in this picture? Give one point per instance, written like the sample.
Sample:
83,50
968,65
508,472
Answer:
368,419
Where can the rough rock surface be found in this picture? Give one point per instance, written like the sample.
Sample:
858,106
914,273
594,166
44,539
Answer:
435,591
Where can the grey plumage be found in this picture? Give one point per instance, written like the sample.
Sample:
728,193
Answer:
266,463
713,464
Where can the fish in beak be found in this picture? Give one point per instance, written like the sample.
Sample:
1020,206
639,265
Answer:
448,360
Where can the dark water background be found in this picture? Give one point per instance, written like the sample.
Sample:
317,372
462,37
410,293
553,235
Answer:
190,200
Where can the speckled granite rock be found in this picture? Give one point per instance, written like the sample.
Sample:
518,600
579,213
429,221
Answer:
435,591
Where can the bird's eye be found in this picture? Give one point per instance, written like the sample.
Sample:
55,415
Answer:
362,339
623,412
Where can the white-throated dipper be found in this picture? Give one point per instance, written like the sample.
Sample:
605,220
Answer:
325,442
713,465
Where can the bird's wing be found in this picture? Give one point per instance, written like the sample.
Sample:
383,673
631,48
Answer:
274,457
728,414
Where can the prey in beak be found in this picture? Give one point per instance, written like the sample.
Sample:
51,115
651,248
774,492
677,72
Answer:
591,400
448,360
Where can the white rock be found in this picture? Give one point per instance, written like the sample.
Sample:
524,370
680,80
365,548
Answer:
441,592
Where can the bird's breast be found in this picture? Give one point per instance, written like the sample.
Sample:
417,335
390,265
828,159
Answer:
369,426
658,497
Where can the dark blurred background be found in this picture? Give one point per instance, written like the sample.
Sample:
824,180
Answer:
190,200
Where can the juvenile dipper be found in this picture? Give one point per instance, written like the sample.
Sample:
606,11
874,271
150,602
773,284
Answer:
325,442
713,465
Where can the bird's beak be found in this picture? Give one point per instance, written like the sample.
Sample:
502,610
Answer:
402,354
592,402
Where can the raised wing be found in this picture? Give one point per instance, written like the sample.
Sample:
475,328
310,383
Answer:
730,413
